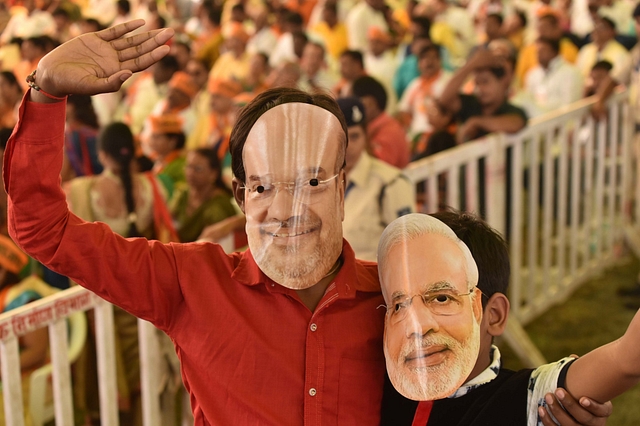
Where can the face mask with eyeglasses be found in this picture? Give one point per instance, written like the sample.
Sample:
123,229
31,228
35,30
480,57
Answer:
445,302
305,191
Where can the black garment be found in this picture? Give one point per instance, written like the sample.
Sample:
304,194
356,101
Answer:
501,402
470,107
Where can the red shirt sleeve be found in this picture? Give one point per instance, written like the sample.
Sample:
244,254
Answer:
138,275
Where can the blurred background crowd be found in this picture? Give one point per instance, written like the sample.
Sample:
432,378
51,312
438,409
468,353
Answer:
413,78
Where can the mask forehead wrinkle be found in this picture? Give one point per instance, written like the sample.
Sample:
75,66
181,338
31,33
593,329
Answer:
293,138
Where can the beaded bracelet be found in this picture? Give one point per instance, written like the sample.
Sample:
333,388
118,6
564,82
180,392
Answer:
31,81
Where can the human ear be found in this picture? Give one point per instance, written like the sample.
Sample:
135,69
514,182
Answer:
237,188
496,314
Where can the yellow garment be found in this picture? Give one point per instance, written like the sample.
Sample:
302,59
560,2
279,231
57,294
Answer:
441,33
199,135
335,39
528,58
228,67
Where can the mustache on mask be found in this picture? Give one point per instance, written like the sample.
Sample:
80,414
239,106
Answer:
426,342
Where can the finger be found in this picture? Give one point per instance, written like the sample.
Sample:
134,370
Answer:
595,408
118,31
140,63
111,83
582,414
554,407
545,418
137,39
145,47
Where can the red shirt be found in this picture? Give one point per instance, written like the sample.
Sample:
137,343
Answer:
251,352
388,140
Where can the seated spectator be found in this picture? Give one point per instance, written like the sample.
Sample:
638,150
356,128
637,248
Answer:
552,84
15,293
264,37
31,51
209,40
408,69
123,12
203,199
81,139
492,29
300,40
473,260
376,193
223,114
331,31
10,97
599,77
361,17
288,74
381,63
146,91
166,145
316,74
181,50
351,68
181,91
32,21
258,72
487,110
284,50
386,136
234,62
442,136
605,47
460,22
63,22
197,70
515,26
547,27
418,99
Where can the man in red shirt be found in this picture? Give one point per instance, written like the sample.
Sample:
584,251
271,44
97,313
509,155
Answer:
386,135
286,333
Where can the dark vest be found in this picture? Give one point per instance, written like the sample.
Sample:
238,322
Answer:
501,402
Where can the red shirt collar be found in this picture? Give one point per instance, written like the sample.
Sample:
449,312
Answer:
355,274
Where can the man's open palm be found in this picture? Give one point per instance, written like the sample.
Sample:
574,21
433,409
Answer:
100,62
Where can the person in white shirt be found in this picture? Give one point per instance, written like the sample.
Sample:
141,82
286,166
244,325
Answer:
366,14
422,92
315,72
284,49
32,23
605,47
376,192
381,63
553,83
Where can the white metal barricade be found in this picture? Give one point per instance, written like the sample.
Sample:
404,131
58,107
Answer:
561,191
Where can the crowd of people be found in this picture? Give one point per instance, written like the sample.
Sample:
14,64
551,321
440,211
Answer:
155,157
430,75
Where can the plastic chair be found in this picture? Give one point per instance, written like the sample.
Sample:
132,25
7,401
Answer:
41,409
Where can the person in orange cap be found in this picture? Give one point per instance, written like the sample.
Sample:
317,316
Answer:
182,90
166,143
213,130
